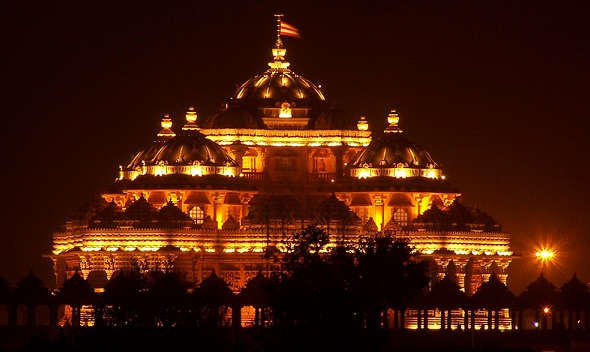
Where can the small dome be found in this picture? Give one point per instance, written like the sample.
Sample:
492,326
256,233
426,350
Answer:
189,152
190,148
335,119
394,155
393,149
233,117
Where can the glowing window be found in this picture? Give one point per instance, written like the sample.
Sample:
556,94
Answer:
401,216
197,214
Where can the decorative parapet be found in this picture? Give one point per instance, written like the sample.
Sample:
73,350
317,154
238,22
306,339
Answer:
256,237
293,138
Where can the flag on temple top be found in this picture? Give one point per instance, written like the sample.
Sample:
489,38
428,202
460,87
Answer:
288,30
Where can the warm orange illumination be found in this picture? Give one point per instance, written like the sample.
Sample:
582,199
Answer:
545,254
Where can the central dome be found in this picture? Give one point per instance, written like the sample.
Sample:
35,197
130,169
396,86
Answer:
279,93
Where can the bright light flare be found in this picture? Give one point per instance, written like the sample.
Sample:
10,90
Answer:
545,254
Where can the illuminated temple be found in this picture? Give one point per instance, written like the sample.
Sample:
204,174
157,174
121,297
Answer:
218,193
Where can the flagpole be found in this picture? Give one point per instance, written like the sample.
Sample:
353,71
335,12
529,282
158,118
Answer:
279,41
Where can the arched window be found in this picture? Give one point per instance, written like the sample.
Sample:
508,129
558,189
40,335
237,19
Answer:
197,214
401,216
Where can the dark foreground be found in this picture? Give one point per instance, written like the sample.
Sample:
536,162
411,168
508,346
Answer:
185,339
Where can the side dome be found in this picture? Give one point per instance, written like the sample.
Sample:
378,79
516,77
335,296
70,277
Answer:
394,155
191,148
335,118
189,152
233,117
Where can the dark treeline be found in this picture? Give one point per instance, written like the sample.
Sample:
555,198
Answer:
356,286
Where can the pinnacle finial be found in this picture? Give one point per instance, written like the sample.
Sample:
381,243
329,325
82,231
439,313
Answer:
166,124
278,52
393,120
191,120
362,124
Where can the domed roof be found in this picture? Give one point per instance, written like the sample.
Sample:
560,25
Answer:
276,86
233,117
394,155
392,149
171,153
190,148
265,95
335,118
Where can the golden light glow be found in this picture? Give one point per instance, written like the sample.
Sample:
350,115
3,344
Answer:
362,124
285,111
191,116
400,173
545,254
166,123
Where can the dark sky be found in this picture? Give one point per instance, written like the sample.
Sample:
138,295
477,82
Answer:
497,91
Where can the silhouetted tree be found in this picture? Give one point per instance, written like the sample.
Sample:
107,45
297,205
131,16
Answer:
165,299
264,209
333,209
305,284
389,276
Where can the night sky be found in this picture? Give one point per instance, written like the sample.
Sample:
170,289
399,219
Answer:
496,91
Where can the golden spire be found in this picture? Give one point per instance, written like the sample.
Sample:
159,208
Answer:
166,124
278,52
191,120
362,124
393,120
